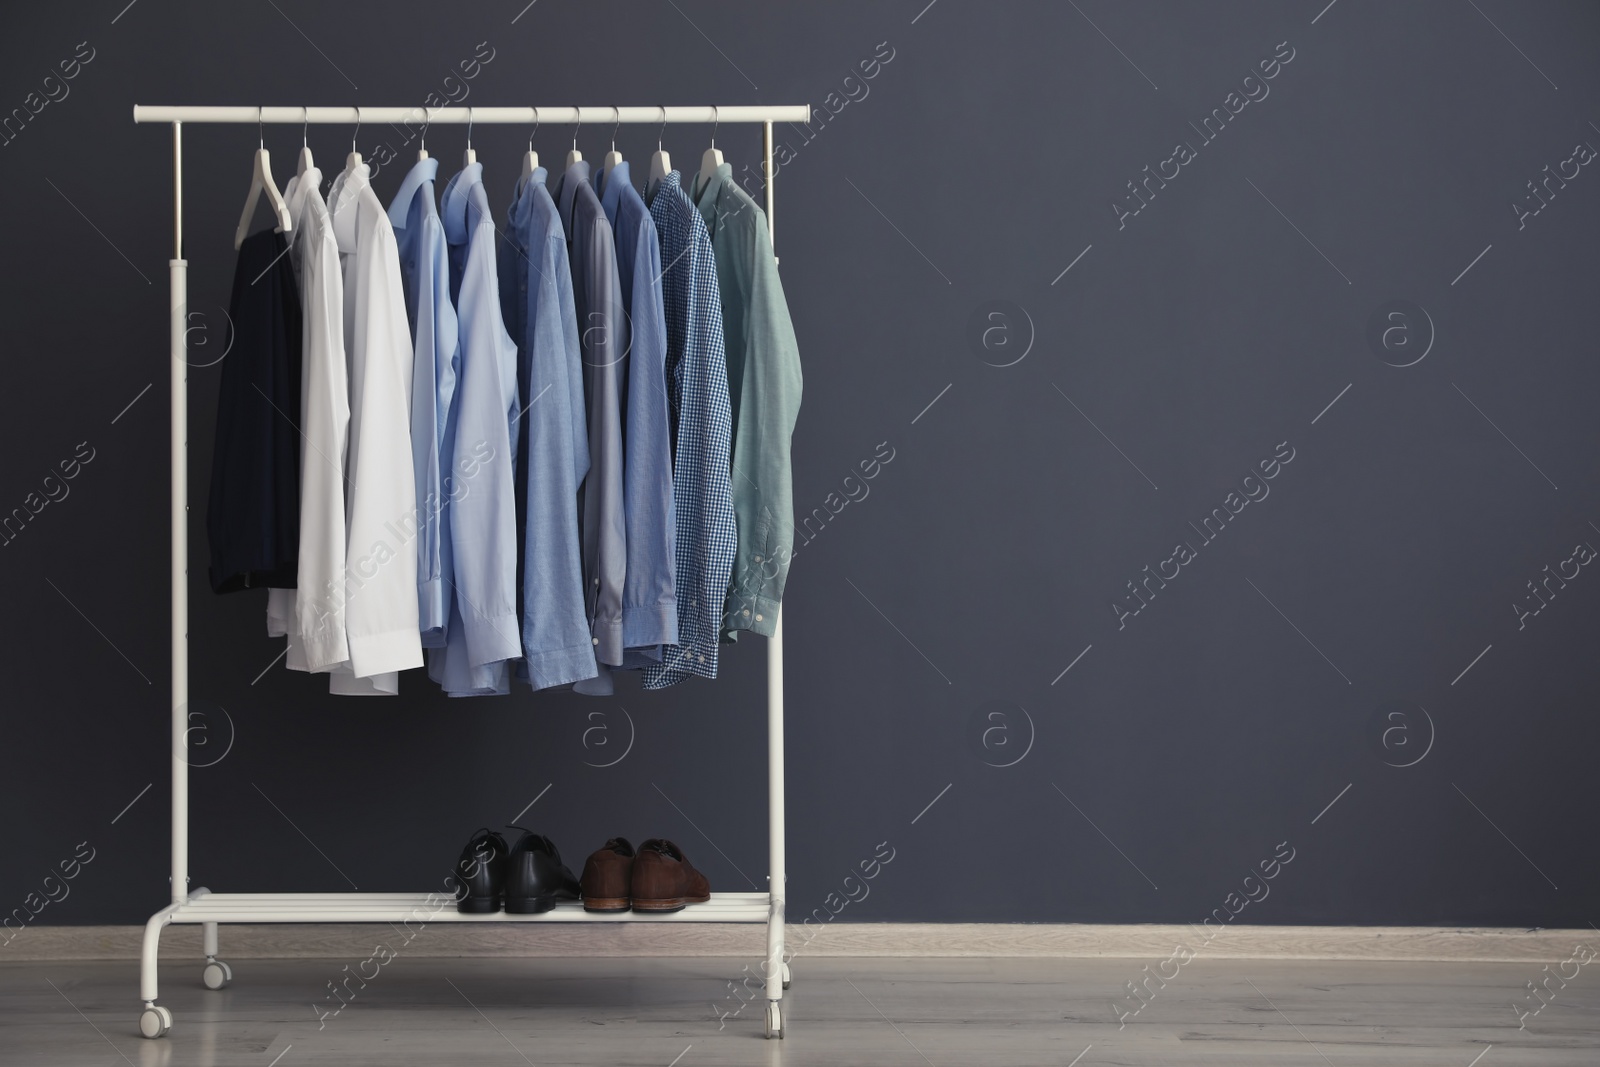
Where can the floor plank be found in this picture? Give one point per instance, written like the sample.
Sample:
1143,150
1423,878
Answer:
879,1011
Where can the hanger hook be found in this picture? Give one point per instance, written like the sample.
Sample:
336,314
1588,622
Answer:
427,119
355,133
716,120
662,131
305,126
576,125
469,127
261,135
534,130
617,111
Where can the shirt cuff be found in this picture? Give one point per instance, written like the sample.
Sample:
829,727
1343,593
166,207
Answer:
645,625
607,639
343,684
395,650
432,612
755,613
490,640
561,666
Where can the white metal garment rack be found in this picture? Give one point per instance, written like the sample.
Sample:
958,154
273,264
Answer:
211,909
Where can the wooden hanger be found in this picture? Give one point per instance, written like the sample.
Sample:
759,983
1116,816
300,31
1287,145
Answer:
261,182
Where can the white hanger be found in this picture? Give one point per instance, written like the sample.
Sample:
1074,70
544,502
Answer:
613,157
306,162
713,157
661,162
469,157
422,150
530,159
575,156
353,160
261,182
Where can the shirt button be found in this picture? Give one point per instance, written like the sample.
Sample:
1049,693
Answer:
594,640
758,616
747,612
758,559
702,659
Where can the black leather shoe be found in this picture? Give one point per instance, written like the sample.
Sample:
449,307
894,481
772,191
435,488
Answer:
536,879
481,874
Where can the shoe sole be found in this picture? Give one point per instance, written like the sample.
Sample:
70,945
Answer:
536,905
606,904
478,906
665,904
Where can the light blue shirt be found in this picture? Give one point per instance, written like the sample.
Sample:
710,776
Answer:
536,297
481,442
649,599
425,273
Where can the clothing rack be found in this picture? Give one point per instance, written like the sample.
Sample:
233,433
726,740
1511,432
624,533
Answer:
211,909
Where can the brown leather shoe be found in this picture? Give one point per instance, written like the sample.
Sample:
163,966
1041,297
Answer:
608,877
663,880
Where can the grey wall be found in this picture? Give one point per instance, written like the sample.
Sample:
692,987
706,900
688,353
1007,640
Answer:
1352,635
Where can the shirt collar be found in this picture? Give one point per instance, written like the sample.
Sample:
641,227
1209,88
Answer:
670,180
299,187
567,190
613,189
425,171
707,197
347,189
457,198
524,195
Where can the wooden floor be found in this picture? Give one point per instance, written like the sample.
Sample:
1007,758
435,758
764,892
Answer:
882,1012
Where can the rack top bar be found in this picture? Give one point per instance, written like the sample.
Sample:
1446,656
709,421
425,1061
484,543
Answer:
520,116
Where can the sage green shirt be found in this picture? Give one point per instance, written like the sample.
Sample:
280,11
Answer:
764,394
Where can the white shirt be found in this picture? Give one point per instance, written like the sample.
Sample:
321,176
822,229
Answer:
380,589
312,615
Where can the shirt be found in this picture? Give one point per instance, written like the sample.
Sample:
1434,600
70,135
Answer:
312,614
603,346
697,388
537,302
253,509
649,599
764,390
425,273
380,505
484,632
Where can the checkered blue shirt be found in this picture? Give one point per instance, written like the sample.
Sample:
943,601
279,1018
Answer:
697,389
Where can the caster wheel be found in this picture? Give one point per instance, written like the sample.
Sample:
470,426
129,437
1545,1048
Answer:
155,1021
216,975
786,981
774,1019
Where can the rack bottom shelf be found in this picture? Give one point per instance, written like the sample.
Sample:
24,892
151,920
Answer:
434,907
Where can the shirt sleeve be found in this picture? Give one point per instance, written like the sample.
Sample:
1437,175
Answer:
555,628
768,405
319,599
482,509
381,563
433,381
603,343
649,603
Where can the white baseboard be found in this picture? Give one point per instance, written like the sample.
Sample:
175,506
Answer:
1066,941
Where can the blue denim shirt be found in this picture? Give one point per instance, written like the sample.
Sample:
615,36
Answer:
649,600
481,441
425,273
536,298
